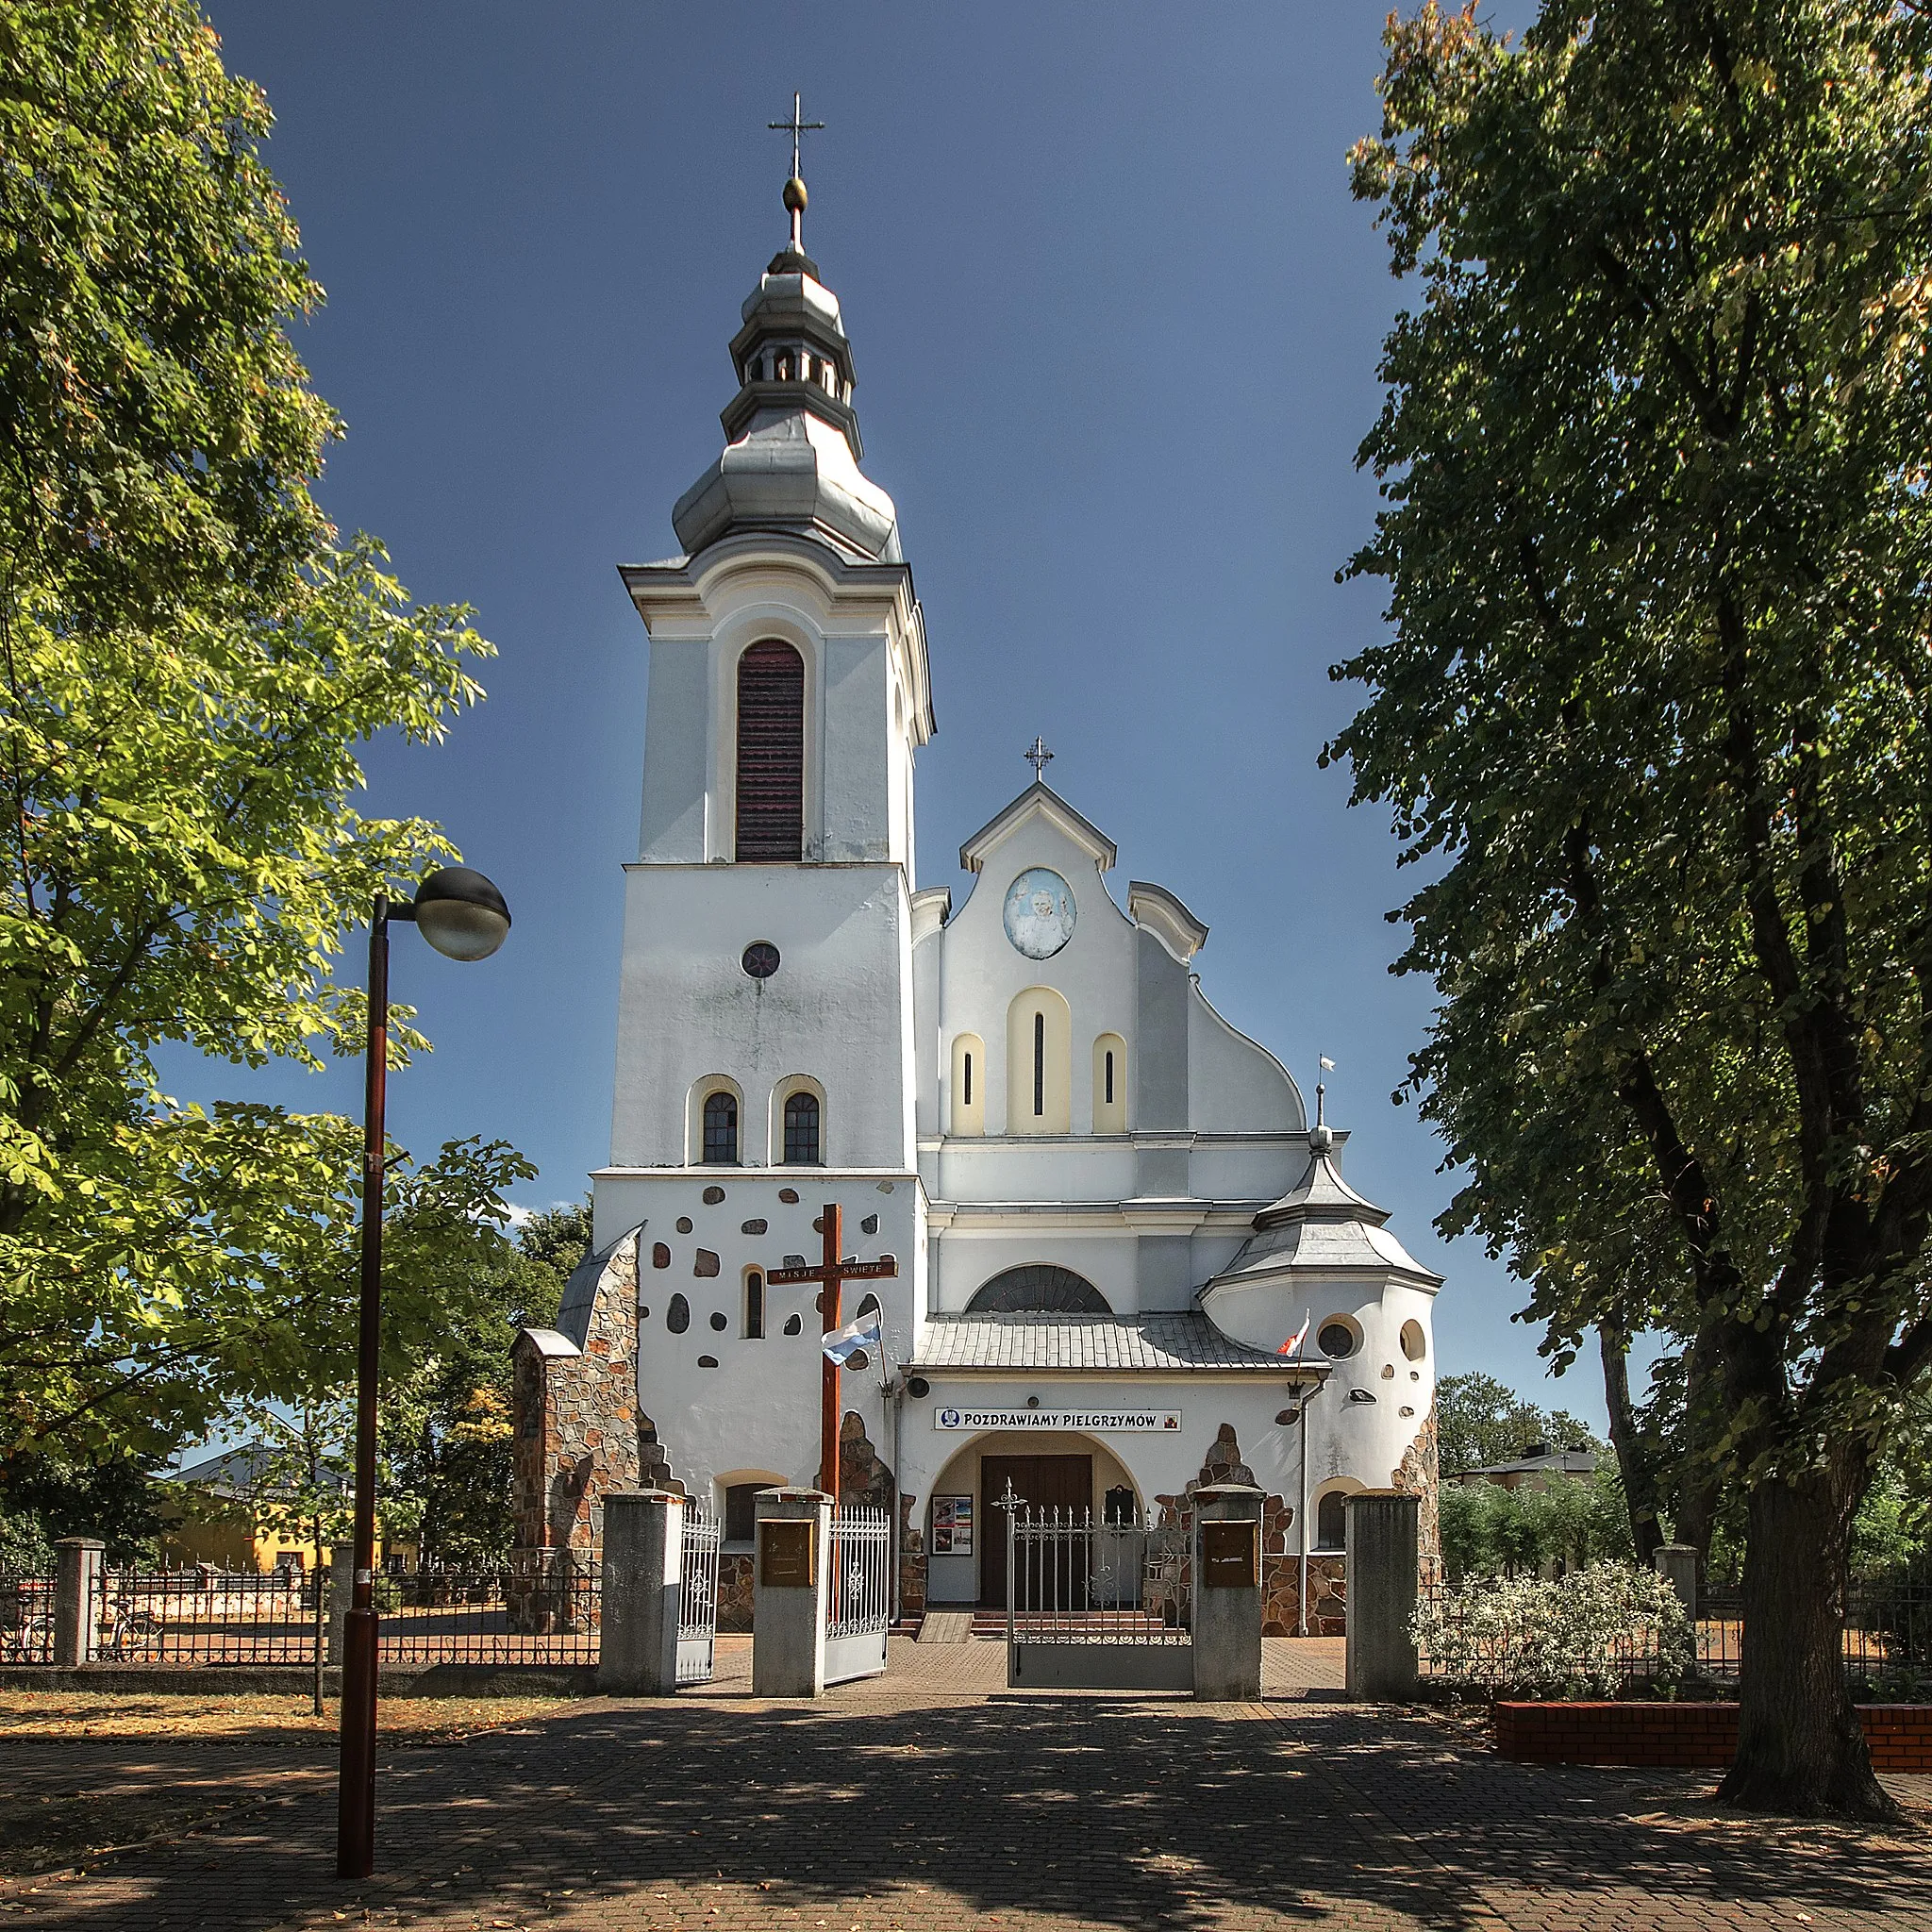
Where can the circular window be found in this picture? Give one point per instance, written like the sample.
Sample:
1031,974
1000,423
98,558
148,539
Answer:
760,959
1415,1343
1038,913
1337,1337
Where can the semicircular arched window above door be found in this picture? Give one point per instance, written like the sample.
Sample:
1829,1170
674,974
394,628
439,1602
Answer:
1037,1288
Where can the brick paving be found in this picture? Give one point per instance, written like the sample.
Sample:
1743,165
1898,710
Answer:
933,1800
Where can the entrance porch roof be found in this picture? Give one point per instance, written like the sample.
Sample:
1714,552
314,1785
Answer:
1159,1344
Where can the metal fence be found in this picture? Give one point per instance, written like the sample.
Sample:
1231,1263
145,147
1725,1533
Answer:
1887,1640
527,1612
203,1616
544,1608
697,1600
27,1617
1071,1581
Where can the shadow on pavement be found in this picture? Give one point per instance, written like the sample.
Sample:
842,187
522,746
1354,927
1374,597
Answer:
1131,1814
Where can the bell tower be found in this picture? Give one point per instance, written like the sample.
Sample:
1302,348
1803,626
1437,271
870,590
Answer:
767,958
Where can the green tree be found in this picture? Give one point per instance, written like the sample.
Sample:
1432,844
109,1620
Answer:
1480,1421
1654,713
447,1434
187,662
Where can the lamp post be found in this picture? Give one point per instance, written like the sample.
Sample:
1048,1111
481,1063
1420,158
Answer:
463,916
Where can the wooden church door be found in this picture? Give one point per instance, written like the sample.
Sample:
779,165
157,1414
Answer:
1047,1482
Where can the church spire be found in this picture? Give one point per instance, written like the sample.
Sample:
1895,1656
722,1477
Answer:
792,447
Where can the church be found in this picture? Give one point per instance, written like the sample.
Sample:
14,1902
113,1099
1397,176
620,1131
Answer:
1109,1213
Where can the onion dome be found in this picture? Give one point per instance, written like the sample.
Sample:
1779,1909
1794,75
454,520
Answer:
792,447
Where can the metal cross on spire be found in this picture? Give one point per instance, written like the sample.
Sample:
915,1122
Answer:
794,127
1039,757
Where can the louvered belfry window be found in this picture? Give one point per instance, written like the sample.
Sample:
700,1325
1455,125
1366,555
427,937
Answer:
770,752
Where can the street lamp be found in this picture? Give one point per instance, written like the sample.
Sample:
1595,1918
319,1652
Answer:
463,916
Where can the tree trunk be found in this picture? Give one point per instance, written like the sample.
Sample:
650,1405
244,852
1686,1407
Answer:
1801,1750
1638,1467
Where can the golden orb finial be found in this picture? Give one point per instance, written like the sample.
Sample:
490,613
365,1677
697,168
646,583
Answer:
794,196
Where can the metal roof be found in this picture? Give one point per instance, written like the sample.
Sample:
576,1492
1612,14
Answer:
1165,1344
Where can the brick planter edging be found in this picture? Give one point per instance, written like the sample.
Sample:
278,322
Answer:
1689,1736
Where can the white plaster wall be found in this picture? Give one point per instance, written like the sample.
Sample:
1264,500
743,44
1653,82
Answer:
759,1408
839,1007
1363,1439
981,972
1233,1084
862,717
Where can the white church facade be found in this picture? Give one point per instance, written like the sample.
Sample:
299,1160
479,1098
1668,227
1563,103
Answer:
1109,1210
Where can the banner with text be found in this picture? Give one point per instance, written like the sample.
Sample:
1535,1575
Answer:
1092,1421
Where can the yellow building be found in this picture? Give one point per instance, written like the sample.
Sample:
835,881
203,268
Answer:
227,1511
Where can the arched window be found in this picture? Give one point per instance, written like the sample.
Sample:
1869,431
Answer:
1038,1041
969,1084
802,1130
1037,1288
1331,1520
721,1129
770,752
754,1304
1109,1084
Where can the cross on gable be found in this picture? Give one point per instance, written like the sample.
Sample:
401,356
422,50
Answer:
834,1271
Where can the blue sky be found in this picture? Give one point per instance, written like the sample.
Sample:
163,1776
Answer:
1116,322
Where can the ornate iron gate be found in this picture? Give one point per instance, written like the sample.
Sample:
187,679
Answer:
697,1602
1097,1605
858,1593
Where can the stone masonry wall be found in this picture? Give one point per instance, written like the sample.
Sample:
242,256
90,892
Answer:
578,1432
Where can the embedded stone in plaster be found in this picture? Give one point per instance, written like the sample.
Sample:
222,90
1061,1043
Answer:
717,1321
684,1223
713,1195
790,1196
869,1224
706,1264
793,1325
708,1361
660,1255
751,1227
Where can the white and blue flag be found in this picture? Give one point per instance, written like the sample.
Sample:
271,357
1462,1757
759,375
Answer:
863,1333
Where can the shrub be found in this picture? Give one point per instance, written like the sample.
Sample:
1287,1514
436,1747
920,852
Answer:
1582,1636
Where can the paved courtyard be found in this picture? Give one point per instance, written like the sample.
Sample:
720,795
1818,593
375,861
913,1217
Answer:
935,1799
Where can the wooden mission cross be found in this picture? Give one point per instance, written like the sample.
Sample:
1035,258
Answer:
833,1273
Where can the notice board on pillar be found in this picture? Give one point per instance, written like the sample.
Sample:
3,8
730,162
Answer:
1230,1555
787,1554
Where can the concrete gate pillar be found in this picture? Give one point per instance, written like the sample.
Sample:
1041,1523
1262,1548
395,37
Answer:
1384,1539
790,1571
1228,1591
76,1592
1678,1563
644,1585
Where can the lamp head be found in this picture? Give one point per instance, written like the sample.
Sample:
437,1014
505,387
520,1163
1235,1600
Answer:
461,913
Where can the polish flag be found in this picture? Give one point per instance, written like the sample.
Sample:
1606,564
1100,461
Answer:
1294,1344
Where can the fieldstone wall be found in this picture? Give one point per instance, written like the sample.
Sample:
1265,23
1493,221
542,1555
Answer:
734,1591
1417,1475
579,1433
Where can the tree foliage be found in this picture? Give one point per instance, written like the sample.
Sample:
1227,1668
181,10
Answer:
1481,1421
189,660
1654,716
